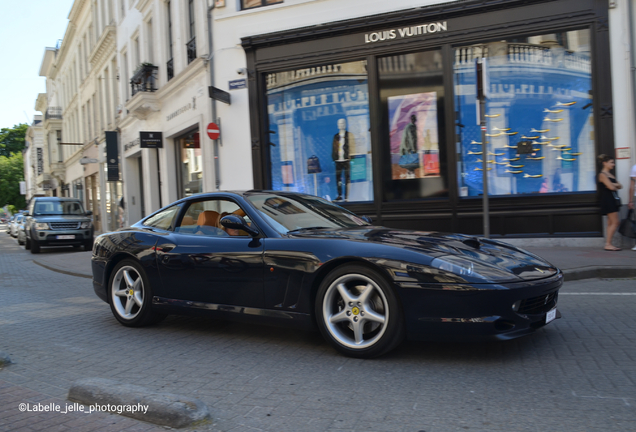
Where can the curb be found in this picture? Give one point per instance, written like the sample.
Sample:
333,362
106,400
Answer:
70,273
164,409
595,272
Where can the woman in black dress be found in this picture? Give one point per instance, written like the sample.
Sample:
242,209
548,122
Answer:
610,202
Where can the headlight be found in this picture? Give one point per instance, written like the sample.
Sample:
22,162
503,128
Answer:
41,225
85,225
472,269
454,265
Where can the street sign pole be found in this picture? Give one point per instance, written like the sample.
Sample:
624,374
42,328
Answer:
481,97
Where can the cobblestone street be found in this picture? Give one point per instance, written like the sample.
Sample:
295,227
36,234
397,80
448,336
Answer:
577,374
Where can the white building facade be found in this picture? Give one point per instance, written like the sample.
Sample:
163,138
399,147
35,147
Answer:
162,48
294,80
35,160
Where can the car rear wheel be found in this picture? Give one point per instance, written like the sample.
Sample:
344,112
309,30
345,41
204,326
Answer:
27,244
131,295
358,312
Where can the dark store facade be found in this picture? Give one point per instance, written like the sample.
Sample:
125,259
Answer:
378,114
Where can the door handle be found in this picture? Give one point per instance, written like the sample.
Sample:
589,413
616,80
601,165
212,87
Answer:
166,247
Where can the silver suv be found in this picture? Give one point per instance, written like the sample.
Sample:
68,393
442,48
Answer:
52,221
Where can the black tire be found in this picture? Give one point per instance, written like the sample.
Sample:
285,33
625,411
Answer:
88,245
130,295
35,247
27,244
366,324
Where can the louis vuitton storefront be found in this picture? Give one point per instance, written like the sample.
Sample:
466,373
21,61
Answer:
379,115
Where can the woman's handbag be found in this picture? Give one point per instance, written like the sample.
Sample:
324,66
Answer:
313,165
410,161
628,225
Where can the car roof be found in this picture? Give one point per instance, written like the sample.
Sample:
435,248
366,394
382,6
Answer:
56,199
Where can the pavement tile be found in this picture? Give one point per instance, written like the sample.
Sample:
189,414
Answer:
575,375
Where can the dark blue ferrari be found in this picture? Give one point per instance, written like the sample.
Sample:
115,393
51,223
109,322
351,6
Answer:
297,260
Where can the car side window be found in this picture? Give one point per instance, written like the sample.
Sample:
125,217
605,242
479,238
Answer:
164,219
204,218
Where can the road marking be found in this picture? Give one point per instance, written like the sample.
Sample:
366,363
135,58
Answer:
624,399
592,294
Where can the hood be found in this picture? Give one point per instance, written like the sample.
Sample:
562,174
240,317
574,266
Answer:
493,260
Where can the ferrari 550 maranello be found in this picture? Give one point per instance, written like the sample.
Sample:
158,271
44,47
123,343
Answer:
297,260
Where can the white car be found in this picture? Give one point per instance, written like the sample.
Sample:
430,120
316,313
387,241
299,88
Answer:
17,221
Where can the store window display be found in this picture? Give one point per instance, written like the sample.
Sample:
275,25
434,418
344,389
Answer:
320,131
540,129
412,101
190,163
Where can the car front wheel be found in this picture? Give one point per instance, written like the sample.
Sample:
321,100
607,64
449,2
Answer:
35,247
131,295
358,312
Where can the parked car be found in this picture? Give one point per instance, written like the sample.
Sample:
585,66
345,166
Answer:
9,222
19,218
301,261
20,233
52,221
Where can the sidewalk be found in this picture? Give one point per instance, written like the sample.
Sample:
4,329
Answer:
575,262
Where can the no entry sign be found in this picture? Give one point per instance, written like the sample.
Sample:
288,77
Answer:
214,131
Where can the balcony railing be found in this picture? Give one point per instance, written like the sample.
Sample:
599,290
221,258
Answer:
191,48
144,79
53,113
170,69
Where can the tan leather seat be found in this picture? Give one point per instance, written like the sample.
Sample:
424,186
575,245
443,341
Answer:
187,220
209,218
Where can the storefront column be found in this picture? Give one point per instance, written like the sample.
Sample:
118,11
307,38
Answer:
622,91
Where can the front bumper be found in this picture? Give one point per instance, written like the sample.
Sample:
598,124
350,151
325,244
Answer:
480,311
63,237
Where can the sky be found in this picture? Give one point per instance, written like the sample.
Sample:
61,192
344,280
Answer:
26,27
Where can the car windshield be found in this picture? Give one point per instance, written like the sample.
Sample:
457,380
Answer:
287,213
50,208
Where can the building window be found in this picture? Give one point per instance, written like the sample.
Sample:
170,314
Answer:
124,64
319,131
539,116
150,39
169,64
191,46
250,4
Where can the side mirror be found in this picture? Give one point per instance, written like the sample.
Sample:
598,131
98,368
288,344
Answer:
238,223
89,213
367,219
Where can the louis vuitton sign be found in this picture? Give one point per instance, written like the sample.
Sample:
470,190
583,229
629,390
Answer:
406,32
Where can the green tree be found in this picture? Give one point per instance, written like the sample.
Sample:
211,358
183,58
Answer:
12,139
11,174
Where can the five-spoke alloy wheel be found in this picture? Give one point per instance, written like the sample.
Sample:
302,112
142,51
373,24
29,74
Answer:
131,296
358,312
